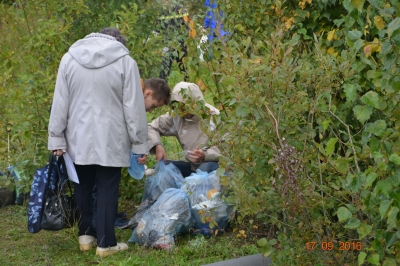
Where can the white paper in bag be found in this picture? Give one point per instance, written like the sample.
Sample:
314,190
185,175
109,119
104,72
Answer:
73,176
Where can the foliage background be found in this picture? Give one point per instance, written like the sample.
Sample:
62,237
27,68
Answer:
309,98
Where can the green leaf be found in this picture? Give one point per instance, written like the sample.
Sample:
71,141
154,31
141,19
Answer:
357,46
395,194
384,207
242,111
390,238
267,252
374,144
371,98
384,186
351,92
343,214
348,5
361,258
261,68
302,31
377,128
389,262
220,171
394,158
338,22
359,4
394,25
330,146
392,217
349,22
362,113
355,35
326,123
374,259
353,223
370,179
342,165
262,242
228,81
377,155
374,3
364,230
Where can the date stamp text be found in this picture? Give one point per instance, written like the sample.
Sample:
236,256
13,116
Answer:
328,246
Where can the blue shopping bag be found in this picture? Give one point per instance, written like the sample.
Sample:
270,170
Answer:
43,179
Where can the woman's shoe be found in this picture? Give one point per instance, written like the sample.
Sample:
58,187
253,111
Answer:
103,252
87,242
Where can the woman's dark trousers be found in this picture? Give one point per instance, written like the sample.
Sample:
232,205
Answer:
107,180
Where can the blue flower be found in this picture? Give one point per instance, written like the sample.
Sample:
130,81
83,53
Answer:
213,24
221,30
208,18
211,21
214,5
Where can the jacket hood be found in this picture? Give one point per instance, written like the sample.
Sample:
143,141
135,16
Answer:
97,50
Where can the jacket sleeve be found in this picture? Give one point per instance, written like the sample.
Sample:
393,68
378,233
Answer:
59,111
161,126
212,154
133,108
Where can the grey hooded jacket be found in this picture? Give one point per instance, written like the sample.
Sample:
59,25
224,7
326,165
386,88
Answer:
98,111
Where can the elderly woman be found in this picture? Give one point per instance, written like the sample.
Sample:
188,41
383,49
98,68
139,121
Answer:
98,115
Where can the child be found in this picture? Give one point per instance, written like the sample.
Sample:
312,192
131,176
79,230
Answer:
156,93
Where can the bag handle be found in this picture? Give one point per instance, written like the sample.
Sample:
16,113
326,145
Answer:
50,170
51,165
61,162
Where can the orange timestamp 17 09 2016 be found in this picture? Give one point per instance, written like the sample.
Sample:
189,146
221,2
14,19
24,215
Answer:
327,246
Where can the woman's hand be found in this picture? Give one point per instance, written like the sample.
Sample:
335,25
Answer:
58,152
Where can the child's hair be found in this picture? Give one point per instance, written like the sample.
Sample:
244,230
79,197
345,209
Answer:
160,88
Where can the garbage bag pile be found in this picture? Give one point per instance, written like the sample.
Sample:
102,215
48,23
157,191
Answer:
163,220
173,205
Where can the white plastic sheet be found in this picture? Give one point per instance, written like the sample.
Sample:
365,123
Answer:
73,176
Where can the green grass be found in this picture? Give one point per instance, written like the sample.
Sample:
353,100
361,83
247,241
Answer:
19,247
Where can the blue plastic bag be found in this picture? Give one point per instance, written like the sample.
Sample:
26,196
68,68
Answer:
165,176
159,224
209,211
136,170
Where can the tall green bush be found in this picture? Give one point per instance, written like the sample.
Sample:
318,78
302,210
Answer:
309,99
35,35
309,95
